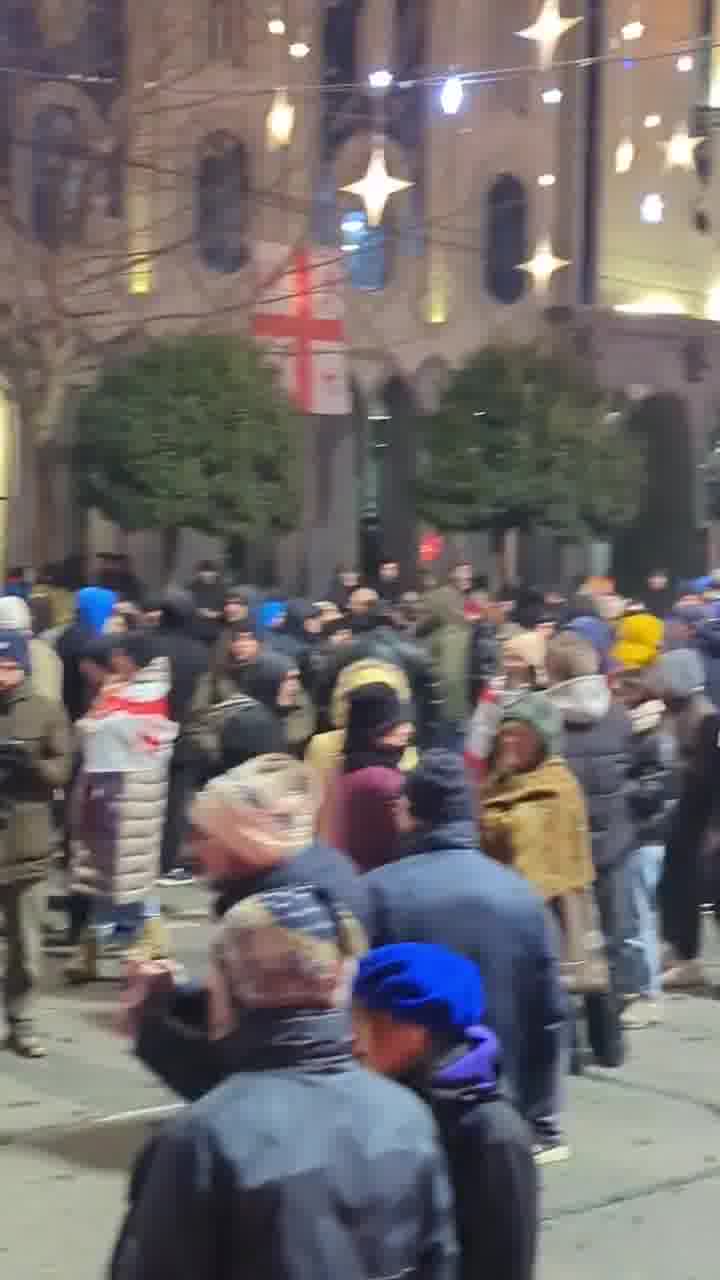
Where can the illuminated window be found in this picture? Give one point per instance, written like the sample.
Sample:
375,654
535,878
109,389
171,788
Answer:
365,249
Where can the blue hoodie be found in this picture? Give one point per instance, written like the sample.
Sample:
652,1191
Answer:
94,606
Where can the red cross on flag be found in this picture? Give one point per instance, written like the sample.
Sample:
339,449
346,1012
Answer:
299,317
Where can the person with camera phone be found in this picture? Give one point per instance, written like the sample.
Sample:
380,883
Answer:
35,759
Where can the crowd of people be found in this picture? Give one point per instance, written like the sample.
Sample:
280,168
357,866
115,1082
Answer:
457,844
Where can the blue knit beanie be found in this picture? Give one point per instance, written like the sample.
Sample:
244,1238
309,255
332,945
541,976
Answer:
421,983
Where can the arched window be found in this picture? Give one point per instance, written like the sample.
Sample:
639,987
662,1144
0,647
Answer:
222,203
59,177
507,238
366,251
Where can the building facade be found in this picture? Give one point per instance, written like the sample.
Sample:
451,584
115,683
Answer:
136,178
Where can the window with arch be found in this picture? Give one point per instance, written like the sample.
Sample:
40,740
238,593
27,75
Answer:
222,202
59,177
366,249
506,244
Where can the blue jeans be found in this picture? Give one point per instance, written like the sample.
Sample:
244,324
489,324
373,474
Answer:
640,961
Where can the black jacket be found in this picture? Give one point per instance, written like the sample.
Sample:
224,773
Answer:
707,639
598,748
188,657
492,1169
448,893
172,1038
71,646
649,788
301,1166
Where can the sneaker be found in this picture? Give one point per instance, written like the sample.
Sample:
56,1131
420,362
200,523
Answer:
25,1043
551,1153
684,977
641,1012
180,875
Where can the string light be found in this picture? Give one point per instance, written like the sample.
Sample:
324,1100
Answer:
712,303
380,79
652,121
547,180
543,264
276,26
451,95
299,49
680,149
624,155
547,29
633,30
377,186
551,97
652,208
685,62
280,121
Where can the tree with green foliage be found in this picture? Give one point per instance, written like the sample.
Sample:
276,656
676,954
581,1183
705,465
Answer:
194,432
524,437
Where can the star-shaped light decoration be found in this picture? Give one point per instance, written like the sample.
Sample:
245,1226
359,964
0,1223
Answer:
680,149
543,264
377,186
547,29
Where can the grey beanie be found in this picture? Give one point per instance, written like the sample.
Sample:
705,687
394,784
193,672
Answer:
680,673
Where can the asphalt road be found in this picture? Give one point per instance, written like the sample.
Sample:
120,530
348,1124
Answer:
637,1200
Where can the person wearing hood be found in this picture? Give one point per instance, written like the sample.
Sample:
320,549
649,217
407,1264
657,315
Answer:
45,665
694,724
188,658
93,610
442,889
597,744
418,1012
325,751
358,816
638,641
448,632
345,580
207,592
253,832
228,1187
118,804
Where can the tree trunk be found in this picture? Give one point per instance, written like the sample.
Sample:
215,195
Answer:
171,543
44,537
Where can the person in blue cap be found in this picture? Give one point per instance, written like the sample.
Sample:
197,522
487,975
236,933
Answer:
418,1011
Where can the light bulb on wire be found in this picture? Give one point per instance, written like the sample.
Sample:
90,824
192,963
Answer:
381,79
451,95
552,97
299,49
633,30
652,208
685,62
276,26
624,155
280,121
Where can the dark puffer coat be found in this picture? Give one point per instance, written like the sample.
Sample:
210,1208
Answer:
235,1187
598,747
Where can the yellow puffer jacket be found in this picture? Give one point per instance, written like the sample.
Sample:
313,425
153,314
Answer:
325,750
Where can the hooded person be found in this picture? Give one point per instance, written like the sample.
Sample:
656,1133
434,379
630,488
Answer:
597,744
252,832
598,633
281,966
207,591
442,889
418,1014
358,813
639,640
325,751
46,669
189,660
93,611
694,725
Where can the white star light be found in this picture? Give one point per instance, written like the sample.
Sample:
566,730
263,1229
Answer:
543,265
680,149
547,29
376,187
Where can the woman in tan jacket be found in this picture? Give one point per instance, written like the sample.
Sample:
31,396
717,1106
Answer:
533,814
